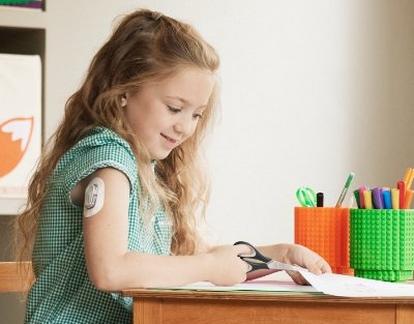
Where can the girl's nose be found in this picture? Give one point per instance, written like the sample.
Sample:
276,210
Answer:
185,126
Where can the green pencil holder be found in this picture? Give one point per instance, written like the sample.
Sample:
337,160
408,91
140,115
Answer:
382,243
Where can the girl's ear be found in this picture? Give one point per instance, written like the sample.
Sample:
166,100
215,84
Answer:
123,101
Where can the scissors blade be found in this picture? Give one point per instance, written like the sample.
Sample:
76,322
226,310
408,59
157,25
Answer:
283,266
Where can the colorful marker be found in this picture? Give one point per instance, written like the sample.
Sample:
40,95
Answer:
386,194
361,196
401,188
408,198
410,180
377,199
407,175
368,199
395,196
356,194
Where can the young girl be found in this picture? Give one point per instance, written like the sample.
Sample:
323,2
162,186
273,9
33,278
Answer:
113,203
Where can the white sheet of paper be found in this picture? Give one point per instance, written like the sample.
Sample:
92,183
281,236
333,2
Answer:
329,283
276,282
348,286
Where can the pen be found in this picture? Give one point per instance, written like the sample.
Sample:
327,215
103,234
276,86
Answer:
345,189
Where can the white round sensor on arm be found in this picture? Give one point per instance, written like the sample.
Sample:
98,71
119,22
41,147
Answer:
94,197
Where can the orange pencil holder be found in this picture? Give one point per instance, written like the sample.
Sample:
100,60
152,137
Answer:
325,230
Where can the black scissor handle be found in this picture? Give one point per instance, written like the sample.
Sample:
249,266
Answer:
255,259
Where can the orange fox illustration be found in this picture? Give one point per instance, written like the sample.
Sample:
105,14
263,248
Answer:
15,136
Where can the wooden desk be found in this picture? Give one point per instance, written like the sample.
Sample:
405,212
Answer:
201,307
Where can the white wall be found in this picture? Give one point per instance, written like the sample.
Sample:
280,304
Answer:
311,91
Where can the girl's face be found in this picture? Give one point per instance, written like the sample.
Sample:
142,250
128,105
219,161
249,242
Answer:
165,114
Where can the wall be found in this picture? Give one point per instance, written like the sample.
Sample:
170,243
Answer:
311,91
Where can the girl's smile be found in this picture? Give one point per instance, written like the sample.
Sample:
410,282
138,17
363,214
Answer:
172,143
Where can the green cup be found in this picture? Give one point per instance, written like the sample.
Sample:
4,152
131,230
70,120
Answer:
382,243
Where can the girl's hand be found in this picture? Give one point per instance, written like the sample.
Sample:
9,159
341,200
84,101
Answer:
306,258
225,266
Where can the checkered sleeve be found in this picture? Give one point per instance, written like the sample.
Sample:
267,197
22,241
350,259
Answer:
88,159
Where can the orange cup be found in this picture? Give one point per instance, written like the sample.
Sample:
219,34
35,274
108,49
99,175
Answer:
325,230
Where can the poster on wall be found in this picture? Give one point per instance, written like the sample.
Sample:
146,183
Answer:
20,122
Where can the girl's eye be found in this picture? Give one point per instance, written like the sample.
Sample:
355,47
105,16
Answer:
198,116
173,110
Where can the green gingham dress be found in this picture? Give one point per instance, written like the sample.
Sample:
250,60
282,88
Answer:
63,292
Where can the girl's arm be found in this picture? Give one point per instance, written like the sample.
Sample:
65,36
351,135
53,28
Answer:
112,267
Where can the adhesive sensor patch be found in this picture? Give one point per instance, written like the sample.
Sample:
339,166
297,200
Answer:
94,197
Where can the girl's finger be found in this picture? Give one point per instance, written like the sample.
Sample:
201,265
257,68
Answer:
319,266
313,267
322,266
242,249
326,268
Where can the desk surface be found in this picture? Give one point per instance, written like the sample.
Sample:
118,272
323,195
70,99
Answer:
246,307
278,277
262,296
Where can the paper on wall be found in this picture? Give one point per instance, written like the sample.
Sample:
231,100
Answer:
20,122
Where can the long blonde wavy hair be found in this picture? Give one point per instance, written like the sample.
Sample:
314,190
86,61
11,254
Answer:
146,46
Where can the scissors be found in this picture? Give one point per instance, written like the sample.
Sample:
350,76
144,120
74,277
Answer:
258,261
306,197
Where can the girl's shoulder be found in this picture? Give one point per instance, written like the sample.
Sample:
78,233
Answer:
101,148
100,143
100,136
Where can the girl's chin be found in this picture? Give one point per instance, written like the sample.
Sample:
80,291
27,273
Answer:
161,155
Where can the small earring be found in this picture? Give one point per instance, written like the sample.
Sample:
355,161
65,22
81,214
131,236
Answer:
123,102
